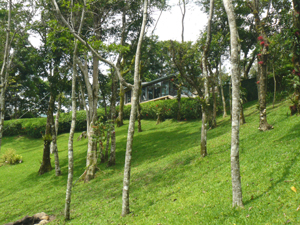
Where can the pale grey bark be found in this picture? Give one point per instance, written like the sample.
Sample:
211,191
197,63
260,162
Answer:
235,164
92,91
4,73
70,144
91,161
91,112
56,123
206,88
183,11
122,91
274,96
107,145
214,115
73,123
127,167
54,144
138,111
112,157
222,91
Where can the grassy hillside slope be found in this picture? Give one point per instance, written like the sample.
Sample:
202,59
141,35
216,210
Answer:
170,182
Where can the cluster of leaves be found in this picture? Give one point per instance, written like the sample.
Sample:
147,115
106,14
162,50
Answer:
101,127
190,109
11,157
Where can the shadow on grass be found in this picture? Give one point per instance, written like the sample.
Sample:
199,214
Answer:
287,166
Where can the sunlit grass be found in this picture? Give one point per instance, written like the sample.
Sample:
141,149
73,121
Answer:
170,182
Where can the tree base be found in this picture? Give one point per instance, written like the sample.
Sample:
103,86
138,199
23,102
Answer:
90,173
111,163
265,127
44,169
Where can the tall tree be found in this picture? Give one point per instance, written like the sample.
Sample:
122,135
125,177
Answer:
206,88
127,167
18,17
73,123
234,58
296,55
4,71
263,61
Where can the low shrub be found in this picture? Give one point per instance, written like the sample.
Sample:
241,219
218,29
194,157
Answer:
11,157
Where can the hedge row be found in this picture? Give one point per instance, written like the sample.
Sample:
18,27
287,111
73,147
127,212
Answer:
190,109
35,127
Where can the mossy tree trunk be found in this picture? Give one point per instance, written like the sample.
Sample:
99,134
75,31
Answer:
206,87
46,162
262,63
56,123
242,116
91,162
54,144
296,52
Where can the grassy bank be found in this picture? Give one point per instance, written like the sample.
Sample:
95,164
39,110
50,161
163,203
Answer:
170,182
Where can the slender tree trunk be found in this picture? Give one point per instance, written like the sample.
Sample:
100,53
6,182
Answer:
91,162
183,11
139,108
127,167
179,102
107,146
52,150
112,157
206,88
121,107
263,124
262,64
72,131
214,122
54,143
242,116
235,164
46,163
101,150
122,92
222,92
274,97
4,72
2,112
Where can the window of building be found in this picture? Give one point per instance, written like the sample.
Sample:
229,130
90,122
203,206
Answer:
144,94
165,88
150,93
128,96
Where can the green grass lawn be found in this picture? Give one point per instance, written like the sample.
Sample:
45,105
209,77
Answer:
170,183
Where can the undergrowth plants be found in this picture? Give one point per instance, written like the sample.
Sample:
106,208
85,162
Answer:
10,157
